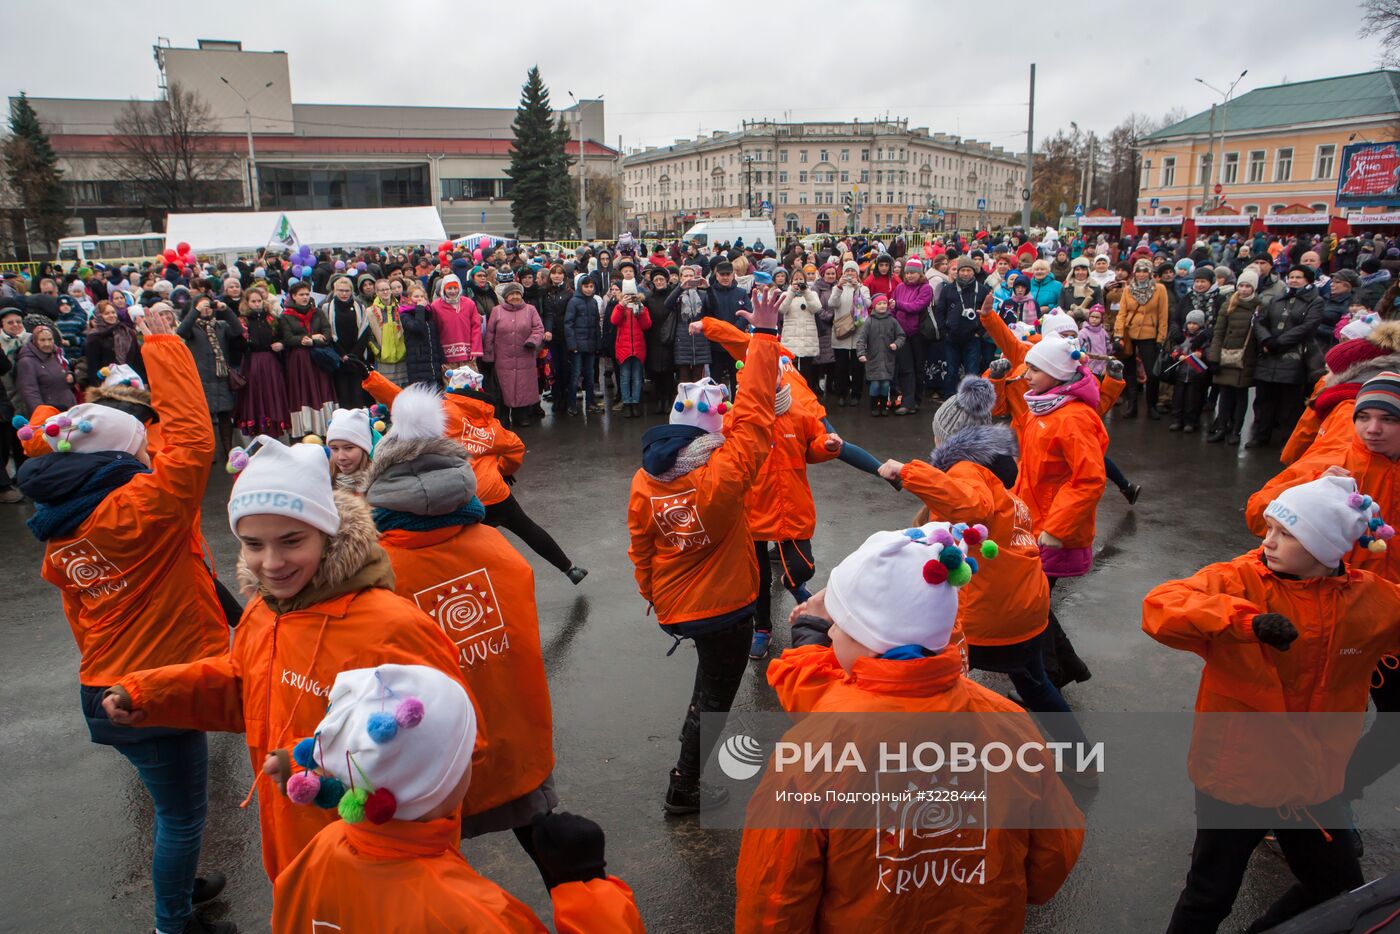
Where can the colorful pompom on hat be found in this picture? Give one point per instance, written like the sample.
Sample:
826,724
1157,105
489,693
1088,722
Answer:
119,374
393,745
900,588
88,428
701,405
1329,517
463,378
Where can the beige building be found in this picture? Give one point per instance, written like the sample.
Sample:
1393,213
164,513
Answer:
806,171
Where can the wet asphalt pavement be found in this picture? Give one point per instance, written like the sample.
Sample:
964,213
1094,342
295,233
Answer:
77,835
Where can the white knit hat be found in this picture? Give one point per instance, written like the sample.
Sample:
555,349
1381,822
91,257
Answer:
464,377
352,425
120,374
900,588
91,427
1328,516
278,480
1360,327
393,745
1249,277
701,405
1057,356
1057,324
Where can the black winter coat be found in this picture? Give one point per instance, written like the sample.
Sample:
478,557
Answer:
422,348
553,303
583,329
955,302
1283,332
661,357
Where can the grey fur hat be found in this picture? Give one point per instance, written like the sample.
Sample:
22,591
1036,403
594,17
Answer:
971,406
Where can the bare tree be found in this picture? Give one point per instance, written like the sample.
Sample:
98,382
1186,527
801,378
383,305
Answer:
604,202
170,150
1381,18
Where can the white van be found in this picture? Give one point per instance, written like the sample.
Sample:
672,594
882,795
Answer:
729,229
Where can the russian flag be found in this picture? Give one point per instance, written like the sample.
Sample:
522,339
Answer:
1196,362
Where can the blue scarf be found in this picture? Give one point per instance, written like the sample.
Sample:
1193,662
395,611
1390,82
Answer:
662,444
904,653
66,488
470,513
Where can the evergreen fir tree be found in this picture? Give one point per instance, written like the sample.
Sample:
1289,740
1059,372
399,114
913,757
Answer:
563,202
535,160
32,168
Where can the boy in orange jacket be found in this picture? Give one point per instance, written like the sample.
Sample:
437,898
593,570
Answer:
780,506
1288,628
876,641
690,544
322,602
121,544
395,749
497,453
481,592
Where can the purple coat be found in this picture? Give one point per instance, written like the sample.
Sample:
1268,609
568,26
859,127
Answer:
910,304
512,337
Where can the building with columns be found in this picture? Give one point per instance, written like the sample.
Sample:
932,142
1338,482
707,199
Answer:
308,156
804,172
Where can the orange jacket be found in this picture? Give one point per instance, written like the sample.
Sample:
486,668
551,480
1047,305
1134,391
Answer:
1311,434
826,880
1306,429
1008,600
481,592
690,544
135,588
407,877
736,343
1062,472
497,452
1015,350
273,683
779,504
1376,476
1345,624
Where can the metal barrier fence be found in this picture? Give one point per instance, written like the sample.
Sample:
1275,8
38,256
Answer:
28,269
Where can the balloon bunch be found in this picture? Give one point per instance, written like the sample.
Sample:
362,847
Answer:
303,261
445,254
180,257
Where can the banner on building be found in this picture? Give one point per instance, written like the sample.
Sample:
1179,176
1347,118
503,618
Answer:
1369,175
1158,220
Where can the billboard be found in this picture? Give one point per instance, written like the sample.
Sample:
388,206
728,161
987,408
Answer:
1370,175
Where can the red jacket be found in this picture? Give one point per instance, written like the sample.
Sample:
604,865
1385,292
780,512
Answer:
631,331
792,880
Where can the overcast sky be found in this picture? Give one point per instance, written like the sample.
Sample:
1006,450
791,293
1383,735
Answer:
666,72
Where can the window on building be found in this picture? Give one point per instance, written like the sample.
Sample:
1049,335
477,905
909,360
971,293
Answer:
1275,208
865,155
879,176
823,156
1256,166
1251,209
1319,206
889,197
1326,161
1203,167
845,155
1231,173
1283,165
782,197
845,176
1169,171
802,197
865,176
802,155
782,178
802,177
1146,180
782,155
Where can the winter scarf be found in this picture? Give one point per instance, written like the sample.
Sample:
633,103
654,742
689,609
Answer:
211,331
667,450
1142,293
67,488
123,338
469,513
1085,389
783,400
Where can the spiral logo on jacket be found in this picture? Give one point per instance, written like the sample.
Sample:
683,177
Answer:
88,569
940,812
678,517
465,607
477,440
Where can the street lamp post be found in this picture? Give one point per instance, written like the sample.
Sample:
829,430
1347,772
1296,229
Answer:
748,182
582,175
252,155
1216,170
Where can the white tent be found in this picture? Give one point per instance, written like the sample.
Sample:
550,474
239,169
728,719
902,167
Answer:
247,231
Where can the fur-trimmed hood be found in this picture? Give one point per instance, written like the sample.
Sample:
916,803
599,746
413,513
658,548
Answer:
352,561
132,401
422,476
989,446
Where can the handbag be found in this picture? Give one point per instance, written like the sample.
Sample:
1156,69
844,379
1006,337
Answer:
1234,359
236,380
326,358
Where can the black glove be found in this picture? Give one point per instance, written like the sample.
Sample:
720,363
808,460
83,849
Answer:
1115,369
568,848
999,368
1275,630
353,364
809,630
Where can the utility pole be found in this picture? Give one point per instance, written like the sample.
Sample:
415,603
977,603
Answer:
1089,186
252,155
1030,157
1208,170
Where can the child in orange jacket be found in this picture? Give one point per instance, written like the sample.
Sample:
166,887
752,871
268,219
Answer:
397,744
690,544
1288,628
121,544
1062,475
497,453
876,641
781,509
322,602
478,588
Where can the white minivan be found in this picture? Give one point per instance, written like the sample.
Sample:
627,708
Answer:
729,229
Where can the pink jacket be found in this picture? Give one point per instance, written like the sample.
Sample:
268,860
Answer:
459,329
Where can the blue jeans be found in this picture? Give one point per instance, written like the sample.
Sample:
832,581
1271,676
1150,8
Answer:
967,357
1114,473
581,372
879,389
1041,696
631,380
174,767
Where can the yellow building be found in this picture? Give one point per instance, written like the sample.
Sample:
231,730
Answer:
1275,146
